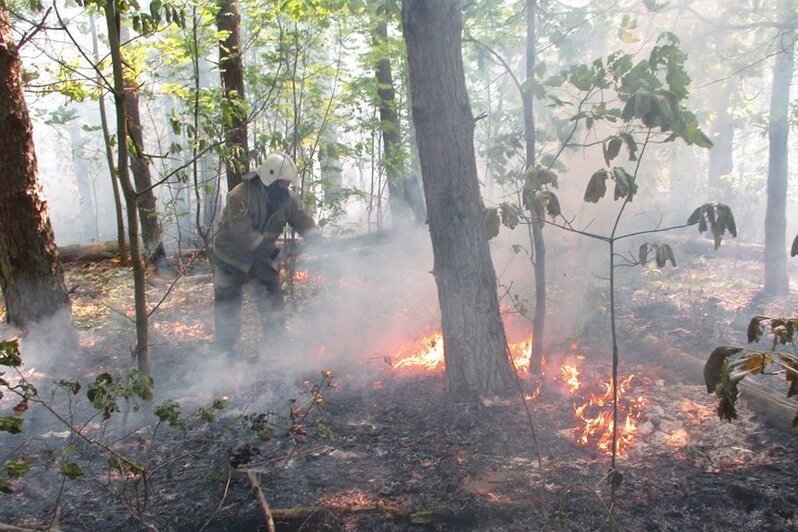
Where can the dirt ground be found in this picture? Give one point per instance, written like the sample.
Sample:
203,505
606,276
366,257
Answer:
370,448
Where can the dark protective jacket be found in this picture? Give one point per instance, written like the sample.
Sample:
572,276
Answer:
246,224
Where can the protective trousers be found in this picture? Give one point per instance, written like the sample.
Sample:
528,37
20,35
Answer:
228,283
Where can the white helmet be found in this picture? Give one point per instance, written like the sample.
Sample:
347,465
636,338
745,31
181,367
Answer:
277,167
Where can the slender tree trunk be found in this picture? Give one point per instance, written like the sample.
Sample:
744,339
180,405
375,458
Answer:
475,346
140,167
142,348
776,280
390,128
721,156
231,69
124,254
31,277
539,244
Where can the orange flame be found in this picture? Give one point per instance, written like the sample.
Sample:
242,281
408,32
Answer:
570,377
598,424
425,353
594,413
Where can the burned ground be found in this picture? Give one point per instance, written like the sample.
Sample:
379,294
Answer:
384,450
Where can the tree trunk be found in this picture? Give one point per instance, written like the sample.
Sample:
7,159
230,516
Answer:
31,277
536,227
475,346
124,255
776,281
140,166
142,349
721,156
389,126
231,69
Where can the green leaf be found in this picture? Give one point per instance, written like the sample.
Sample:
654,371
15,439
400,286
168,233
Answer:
715,364
625,31
548,202
169,412
755,329
16,468
612,148
5,487
9,353
625,186
71,470
492,222
597,186
510,214
11,424
71,385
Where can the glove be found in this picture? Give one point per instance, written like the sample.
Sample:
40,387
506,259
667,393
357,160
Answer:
266,250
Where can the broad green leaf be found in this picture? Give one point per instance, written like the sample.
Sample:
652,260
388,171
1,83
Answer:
16,468
612,148
597,186
11,424
71,470
9,353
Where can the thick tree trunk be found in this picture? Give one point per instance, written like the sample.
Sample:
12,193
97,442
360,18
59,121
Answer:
776,281
31,277
475,346
231,69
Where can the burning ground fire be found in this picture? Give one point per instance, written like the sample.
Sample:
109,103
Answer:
592,407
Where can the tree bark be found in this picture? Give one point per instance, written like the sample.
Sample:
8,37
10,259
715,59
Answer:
140,167
141,351
536,227
31,277
475,346
776,280
231,69
721,156
124,255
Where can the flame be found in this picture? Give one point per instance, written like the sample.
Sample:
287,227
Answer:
425,353
570,377
593,410
597,421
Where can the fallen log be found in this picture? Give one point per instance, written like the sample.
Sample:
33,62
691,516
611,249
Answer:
89,252
779,410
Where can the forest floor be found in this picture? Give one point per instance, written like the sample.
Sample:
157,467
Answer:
368,447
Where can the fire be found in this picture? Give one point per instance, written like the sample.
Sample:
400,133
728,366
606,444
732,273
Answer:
597,421
592,410
570,377
425,353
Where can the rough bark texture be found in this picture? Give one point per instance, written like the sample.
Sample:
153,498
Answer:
475,346
776,280
31,277
231,69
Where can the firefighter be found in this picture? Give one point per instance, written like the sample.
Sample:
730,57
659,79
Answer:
256,214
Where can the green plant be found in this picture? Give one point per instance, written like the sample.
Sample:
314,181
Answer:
727,366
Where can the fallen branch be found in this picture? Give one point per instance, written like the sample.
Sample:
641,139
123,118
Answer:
254,481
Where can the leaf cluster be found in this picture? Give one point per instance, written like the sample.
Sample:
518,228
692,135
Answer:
717,217
727,366
660,253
